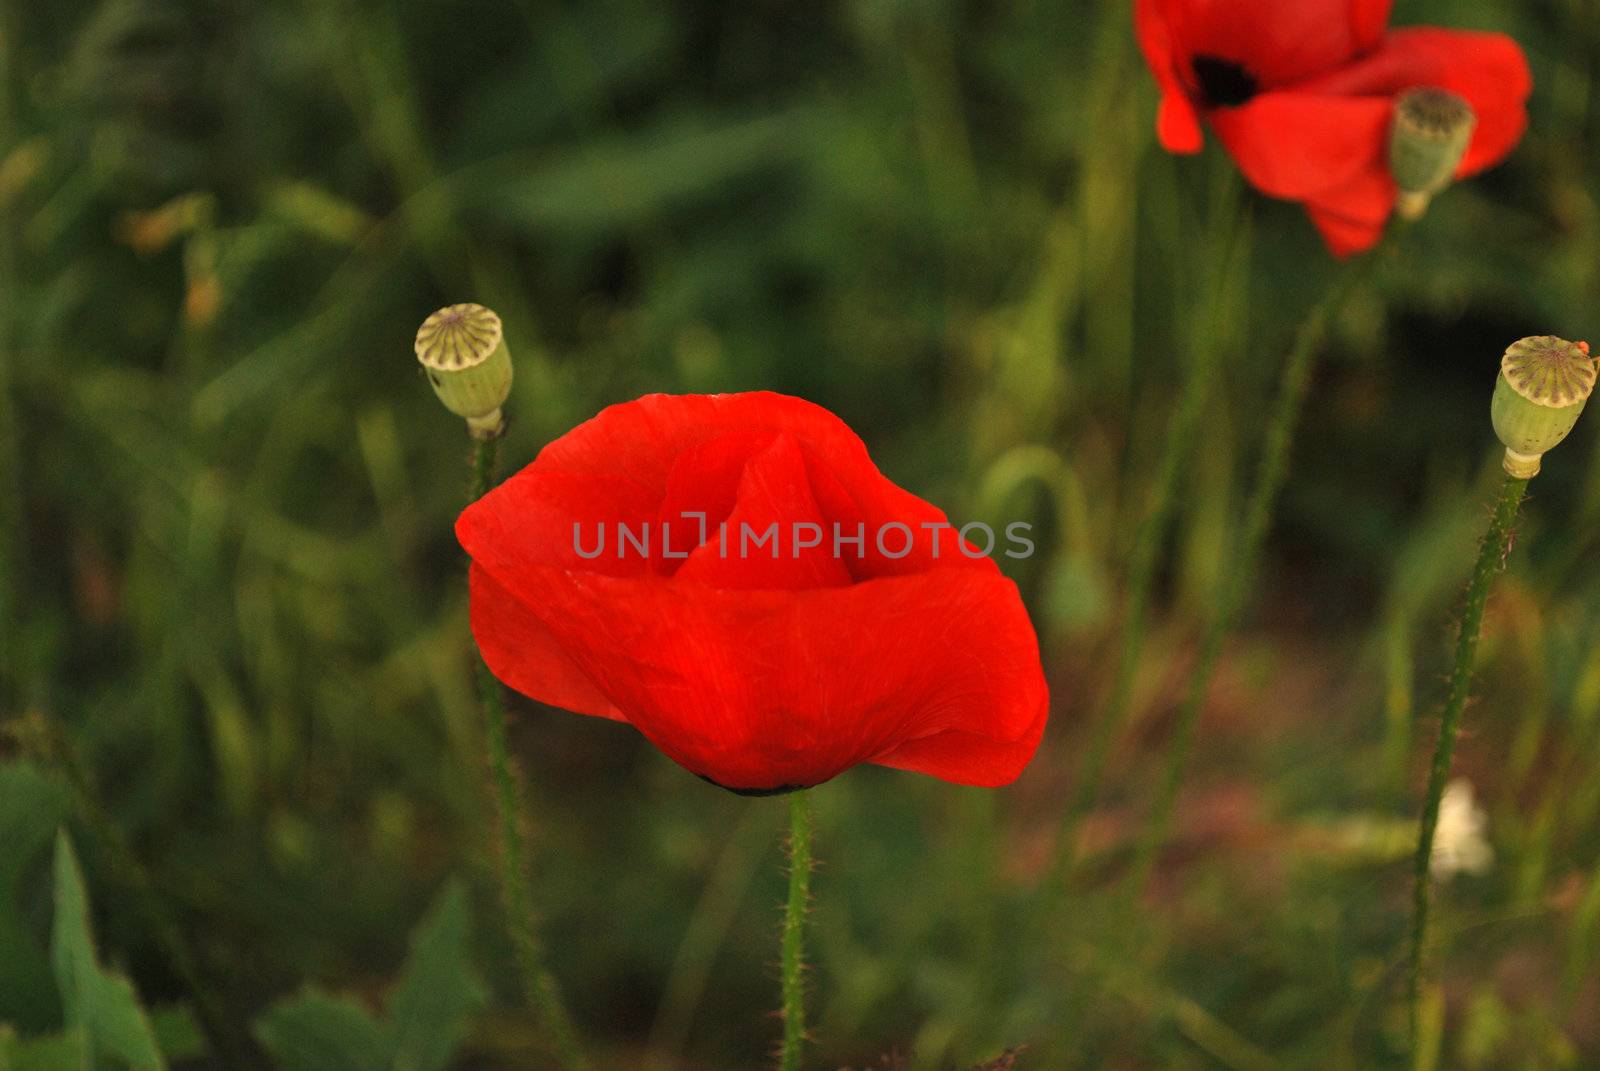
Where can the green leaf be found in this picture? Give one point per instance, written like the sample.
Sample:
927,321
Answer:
102,1005
428,1011
32,807
318,1032
438,990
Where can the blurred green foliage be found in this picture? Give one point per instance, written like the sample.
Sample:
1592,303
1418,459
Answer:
226,562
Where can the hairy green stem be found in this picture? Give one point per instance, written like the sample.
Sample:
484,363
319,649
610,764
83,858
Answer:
538,984
793,940
1271,471
1491,559
485,453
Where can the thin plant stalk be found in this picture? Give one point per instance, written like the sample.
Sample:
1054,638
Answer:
1491,559
538,984
485,455
709,923
13,547
1147,542
1271,471
792,943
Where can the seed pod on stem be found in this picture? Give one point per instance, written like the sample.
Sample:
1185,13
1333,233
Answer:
464,351
1432,129
1543,386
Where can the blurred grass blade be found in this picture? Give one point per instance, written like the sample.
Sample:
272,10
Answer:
627,180
1430,1030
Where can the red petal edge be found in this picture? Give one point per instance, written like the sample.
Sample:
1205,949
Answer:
937,672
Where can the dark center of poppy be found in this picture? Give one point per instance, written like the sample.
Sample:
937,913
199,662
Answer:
1224,83
778,791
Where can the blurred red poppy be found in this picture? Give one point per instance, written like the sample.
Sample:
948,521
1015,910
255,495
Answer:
616,576
1302,96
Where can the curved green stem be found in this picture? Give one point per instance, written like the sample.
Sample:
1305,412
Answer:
1271,471
1491,559
538,984
793,940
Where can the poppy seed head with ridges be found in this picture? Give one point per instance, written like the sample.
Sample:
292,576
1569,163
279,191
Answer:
1431,134
463,349
1543,386
1549,371
457,337
1433,113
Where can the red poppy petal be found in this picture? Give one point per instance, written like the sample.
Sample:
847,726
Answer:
1178,125
1352,217
704,484
530,517
1488,69
645,438
760,546
1368,20
521,652
1278,43
562,518
1298,145
761,689
1177,122
900,533
1344,236
627,465
970,759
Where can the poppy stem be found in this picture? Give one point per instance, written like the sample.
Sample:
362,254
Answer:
793,940
1271,471
485,455
1491,560
538,984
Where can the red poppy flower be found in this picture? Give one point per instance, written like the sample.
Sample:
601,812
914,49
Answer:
759,666
1302,96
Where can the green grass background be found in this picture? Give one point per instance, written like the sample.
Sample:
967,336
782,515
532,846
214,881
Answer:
226,496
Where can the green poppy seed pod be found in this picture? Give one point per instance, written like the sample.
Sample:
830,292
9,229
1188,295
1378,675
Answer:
1432,129
464,351
1544,384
